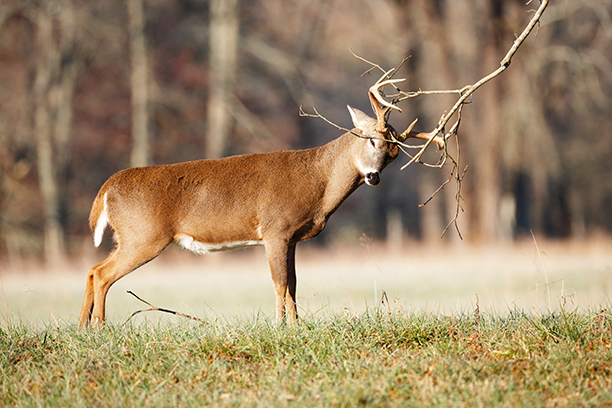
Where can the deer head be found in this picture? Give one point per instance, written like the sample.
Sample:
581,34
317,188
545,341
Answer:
379,137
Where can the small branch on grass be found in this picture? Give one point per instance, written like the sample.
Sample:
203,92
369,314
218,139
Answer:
159,309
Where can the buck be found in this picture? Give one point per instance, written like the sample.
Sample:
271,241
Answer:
272,199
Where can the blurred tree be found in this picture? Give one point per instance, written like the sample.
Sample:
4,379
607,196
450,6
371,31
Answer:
54,77
141,149
53,236
223,45
16,38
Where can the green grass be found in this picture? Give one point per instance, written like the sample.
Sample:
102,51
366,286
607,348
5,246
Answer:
371,359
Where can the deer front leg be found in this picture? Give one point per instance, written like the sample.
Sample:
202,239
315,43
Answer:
290,295
281,258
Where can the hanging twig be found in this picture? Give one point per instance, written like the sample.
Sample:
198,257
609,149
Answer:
159,309
459,207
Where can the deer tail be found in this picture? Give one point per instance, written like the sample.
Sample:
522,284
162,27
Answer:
98,218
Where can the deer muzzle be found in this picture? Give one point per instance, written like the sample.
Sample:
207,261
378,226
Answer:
372,178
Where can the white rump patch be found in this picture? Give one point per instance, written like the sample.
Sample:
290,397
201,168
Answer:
101,225
187,242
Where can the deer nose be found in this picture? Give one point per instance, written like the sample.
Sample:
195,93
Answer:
372,179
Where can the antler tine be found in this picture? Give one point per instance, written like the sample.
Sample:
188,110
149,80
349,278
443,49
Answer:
378,96
438,140
409,129
390,81
378,101
374,89
385,75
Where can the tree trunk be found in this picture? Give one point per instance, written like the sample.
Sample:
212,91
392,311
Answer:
223,54
433,72
63,105
53,233
141,149
65,88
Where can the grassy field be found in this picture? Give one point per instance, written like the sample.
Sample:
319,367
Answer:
375,358
458,327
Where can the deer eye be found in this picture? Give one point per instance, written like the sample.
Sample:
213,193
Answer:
372,143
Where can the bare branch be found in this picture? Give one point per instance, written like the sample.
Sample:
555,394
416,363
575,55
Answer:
159,309
414,94
450,177
467,91
374,66
318,115
459,207
438,135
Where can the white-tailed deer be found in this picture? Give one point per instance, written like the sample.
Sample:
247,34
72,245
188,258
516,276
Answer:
272,199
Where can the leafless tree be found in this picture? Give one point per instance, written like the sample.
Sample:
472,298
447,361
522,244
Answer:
52,100
141,149
223,44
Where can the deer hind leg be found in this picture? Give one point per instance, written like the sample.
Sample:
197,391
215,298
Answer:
281,258
88,299
102,276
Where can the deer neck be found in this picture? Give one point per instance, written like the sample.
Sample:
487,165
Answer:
342,176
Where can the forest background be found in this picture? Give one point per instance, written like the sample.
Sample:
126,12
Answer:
88,88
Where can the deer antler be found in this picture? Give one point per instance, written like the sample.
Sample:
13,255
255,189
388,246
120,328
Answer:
377,105
426,136
378,101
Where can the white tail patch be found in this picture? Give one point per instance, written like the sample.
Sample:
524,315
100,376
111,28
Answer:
101,225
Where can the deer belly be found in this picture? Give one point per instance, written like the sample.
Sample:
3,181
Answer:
189,243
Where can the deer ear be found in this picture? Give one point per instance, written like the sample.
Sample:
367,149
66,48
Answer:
360,120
